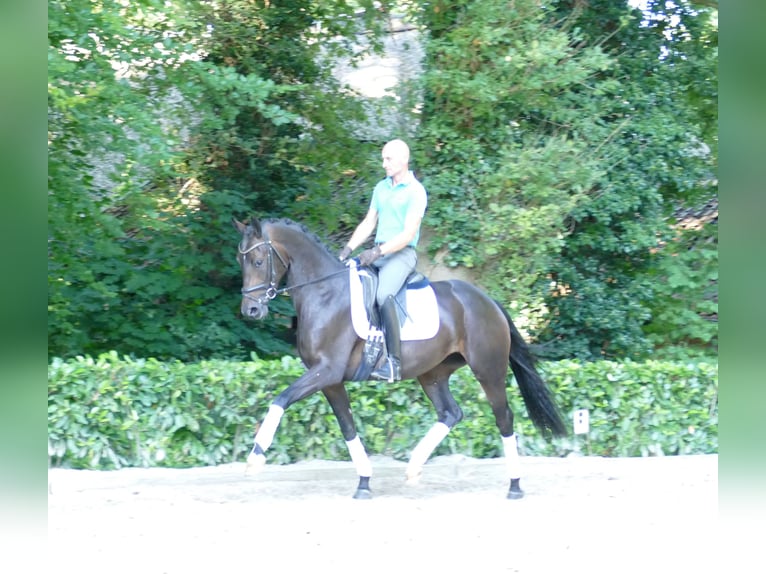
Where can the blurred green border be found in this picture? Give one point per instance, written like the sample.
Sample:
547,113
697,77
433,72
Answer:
742,235
742,318
23,357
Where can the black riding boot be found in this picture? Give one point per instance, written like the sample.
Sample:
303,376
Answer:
391,370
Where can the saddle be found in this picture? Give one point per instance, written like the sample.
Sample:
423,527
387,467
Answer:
368,277
416,309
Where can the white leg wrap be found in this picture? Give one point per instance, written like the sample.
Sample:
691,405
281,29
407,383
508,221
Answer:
425,447
265,434
512,460
359,457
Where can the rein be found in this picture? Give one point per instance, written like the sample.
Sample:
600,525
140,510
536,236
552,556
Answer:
272,289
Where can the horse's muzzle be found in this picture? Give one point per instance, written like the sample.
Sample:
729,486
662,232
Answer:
253,309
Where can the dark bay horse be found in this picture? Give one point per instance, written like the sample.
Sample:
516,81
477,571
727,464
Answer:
474,330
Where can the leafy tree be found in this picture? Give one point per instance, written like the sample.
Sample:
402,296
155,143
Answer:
165,119
301,165
661,155
126,269
557,143
508,124
685,308
572,132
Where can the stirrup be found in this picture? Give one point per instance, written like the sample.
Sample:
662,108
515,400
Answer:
390,371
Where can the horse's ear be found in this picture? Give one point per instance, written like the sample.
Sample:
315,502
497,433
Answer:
238,225
256,225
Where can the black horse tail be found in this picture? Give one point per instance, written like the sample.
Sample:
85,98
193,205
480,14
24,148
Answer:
537,396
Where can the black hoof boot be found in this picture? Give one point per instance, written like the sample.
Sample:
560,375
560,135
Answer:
363,491
515,492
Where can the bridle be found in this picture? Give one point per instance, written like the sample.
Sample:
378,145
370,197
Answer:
272,287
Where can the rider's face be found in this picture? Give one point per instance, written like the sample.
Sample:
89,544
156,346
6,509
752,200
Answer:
394,162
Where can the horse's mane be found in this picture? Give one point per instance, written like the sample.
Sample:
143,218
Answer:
283,221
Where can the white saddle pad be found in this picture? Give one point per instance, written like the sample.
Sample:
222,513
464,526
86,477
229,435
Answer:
423,312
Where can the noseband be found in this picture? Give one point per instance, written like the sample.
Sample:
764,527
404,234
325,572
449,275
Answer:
271,290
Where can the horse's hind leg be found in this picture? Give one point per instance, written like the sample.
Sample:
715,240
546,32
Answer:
339,402
495,390
435,383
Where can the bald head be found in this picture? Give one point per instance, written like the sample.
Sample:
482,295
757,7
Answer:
396,159
398,149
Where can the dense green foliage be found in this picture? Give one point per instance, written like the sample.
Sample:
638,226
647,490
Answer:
556,142
147,166
112,412
657,162
128,267
575,133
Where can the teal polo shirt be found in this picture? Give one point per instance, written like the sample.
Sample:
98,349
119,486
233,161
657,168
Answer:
394,203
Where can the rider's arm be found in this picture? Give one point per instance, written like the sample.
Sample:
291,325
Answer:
364,229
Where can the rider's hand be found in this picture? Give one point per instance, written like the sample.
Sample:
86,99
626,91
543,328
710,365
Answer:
367,256
344,253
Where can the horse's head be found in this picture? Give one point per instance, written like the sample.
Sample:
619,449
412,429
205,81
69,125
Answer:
262,268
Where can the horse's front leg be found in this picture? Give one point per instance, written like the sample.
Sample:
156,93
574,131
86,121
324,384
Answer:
341,406
316,378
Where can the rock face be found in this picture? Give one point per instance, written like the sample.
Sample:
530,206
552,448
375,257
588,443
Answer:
388,82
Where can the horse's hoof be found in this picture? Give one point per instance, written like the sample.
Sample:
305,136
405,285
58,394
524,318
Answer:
363,494
255,464
514,491
515,494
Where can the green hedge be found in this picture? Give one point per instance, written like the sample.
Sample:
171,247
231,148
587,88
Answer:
110,412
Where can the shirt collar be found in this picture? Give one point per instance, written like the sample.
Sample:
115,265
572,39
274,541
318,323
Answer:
407,180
